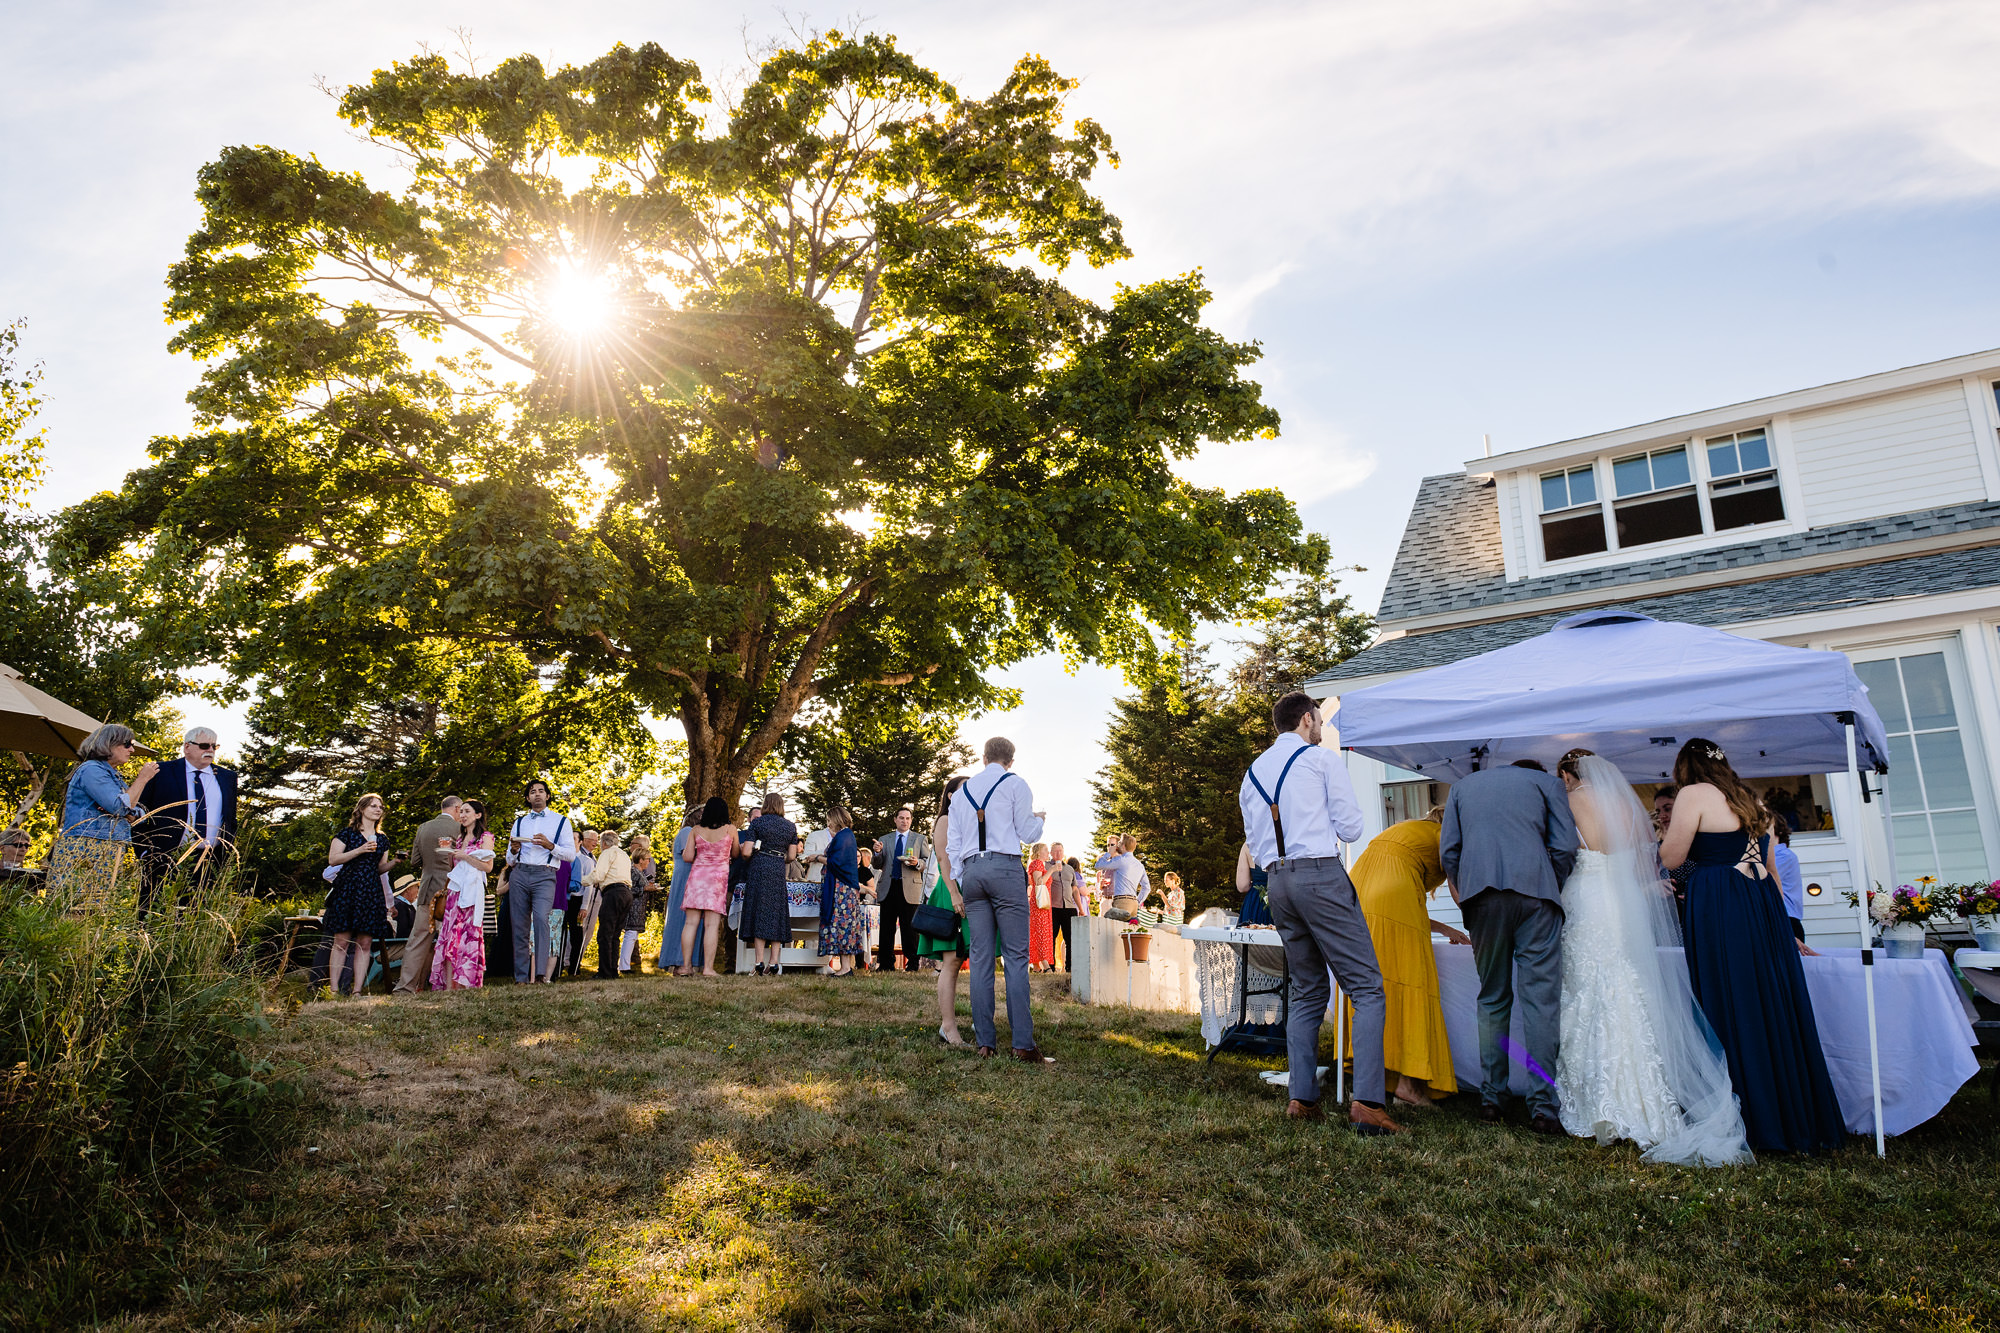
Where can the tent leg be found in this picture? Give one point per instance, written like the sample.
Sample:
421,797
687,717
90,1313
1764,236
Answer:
1867,953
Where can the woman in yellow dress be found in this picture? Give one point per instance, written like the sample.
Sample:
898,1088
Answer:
1393,876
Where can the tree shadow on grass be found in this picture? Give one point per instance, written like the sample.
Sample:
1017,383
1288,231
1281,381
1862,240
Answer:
801,1154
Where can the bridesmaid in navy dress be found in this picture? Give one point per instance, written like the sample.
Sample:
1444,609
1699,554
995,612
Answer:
1743,960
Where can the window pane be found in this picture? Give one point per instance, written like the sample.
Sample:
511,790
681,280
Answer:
1929,690
1754,449
1885,691
1670,468
1961,852
1583,486
1658,520
1554,495
1740,506
1947,784
1912,837
1632,476
1906,793
1565,537
1722,459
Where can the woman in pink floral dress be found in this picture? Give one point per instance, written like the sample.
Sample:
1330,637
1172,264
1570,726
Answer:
706,896
460,960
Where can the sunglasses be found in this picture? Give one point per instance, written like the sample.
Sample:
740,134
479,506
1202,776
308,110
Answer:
202,745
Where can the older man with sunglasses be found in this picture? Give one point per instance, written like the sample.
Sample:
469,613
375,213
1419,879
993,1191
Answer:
190,819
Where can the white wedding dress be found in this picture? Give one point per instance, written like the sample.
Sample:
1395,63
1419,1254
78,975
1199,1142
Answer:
1636,1059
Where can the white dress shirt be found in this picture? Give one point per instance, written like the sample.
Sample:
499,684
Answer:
526,826
1011,821
1316,803
816,844
211,796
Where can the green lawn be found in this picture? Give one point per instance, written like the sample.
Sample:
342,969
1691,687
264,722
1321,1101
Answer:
799,1152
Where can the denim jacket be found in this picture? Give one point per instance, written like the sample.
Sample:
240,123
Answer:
95,806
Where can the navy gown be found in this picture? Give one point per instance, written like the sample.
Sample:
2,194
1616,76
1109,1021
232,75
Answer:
1744,965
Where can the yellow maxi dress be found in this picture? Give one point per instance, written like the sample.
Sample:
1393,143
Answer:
1392,878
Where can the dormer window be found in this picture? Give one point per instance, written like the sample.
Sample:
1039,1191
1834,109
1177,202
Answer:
1572,519
1688,489
1656,500
1743,486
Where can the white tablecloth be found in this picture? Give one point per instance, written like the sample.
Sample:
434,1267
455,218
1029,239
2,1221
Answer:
1926,1040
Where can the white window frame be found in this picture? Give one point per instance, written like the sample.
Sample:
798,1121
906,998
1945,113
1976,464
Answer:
1971,738
1782,464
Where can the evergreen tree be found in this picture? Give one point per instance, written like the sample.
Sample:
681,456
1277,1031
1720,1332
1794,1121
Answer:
873,769
1180,744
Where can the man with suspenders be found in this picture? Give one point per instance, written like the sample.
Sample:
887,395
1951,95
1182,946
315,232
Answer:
991,818
1298,807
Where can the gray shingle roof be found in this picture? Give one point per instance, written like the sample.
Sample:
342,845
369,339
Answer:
1450,548
1823,590
1450,558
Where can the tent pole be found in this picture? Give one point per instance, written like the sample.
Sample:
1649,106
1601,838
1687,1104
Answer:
1339,1048
1867,953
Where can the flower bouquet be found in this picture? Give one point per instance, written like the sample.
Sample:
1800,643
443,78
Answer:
1902,914
1979,905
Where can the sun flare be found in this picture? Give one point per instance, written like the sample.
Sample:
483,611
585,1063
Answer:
579,303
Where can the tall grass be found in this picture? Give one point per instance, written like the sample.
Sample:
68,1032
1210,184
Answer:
128,1068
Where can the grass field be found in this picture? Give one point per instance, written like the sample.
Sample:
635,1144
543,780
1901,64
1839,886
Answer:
800,1152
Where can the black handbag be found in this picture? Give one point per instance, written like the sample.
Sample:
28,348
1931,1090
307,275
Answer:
936,923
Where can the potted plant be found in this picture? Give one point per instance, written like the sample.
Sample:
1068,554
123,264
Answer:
1901,915
1138,944
1979,905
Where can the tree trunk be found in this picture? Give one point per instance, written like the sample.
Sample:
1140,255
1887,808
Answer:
38,781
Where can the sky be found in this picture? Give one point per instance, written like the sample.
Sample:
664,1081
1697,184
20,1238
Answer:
1440,221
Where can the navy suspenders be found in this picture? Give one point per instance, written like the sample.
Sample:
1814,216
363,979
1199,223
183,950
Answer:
979,808
1270,797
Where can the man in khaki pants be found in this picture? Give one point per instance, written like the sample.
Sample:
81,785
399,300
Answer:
435,868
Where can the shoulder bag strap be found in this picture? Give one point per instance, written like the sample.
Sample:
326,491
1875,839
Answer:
1271,797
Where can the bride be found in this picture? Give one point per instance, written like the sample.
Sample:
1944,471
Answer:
1637,1060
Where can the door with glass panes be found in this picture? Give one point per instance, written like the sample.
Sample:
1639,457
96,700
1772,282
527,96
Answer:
1940,807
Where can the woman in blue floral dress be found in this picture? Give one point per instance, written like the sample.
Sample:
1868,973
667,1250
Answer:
840,932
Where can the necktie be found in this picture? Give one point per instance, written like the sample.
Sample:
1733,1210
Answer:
198,790
899,856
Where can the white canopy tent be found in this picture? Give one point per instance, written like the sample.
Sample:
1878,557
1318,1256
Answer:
1633,689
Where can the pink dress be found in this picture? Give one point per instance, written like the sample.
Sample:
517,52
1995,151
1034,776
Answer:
708,881
459,961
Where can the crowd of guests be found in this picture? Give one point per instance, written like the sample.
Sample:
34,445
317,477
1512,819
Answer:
466,897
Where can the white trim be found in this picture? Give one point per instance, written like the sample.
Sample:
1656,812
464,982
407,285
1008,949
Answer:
1513,545
1738,416
1985,414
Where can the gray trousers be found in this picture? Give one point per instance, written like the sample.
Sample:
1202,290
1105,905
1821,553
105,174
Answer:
416,974
533,891
996,904
1517,946
1318,916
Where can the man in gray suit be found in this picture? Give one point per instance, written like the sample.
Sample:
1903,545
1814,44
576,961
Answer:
1508,844
435,869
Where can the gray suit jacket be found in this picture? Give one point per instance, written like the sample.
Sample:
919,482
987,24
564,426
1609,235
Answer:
434,866
917,845
1508,828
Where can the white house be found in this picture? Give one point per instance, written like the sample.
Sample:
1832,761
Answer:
1862,516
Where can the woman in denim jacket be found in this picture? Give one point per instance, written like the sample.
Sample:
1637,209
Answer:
98,813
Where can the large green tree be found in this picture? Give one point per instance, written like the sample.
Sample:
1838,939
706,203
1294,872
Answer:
722,409
874,764
1180,743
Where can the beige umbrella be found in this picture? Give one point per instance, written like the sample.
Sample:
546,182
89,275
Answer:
38,723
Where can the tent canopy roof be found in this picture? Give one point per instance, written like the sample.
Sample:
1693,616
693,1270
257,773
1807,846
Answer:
1629,687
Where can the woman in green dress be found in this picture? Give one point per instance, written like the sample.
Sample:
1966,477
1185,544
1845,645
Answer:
944,893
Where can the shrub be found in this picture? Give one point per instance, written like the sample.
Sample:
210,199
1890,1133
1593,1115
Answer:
128,1067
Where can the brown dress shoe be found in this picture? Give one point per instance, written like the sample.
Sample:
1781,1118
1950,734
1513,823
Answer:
1367,1120
1547,1124
986,1052
1032,1056
1298,1110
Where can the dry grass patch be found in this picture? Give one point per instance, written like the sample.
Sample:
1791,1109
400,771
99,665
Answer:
800,1153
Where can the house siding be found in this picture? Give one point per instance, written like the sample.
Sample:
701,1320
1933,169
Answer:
1892,455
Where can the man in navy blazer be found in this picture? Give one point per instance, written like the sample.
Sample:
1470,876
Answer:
190,817
1509,842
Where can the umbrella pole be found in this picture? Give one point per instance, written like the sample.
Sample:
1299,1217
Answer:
1867,953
